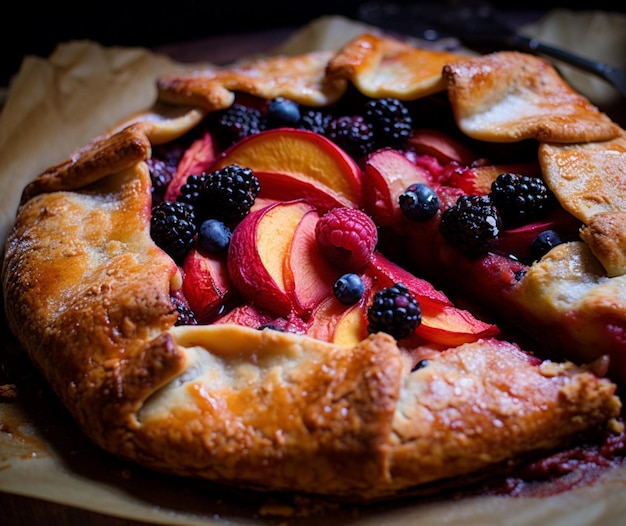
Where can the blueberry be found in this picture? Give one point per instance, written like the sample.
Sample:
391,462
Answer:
214,236
419,202
542,244
283,112
349,289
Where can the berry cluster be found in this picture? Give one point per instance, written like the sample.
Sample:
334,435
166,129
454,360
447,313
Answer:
208,206
378,123
473,224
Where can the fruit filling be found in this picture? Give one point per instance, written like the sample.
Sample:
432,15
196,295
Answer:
294,218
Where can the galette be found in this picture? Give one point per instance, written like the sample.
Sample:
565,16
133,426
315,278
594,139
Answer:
349,273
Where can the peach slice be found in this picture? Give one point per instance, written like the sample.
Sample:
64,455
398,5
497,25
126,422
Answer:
477,180
257,251
452,326
332,321
206,283
442,146
442,322
385,273
386,175
351,328
196,159
308,276
300,155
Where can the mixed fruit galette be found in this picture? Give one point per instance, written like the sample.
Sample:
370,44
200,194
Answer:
346,273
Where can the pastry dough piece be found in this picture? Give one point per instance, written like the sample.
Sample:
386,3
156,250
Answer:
377,66
301,78
383,67
605,236
568,297
512,96
587,177
587,180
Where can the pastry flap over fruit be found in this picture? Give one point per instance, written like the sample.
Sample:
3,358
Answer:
370,62
511,96
588,178
301,78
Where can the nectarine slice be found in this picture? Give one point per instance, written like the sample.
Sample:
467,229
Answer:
453,326
308,277
257,251
196,159
300,154
206,283
386,175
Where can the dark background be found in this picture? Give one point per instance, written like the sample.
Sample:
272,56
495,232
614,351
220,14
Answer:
35,28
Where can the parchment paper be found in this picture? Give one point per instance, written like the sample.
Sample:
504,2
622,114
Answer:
55,106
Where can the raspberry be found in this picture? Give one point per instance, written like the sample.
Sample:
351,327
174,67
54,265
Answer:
347,237
395,311
173,228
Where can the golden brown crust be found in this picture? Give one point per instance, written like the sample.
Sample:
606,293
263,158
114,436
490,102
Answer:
585,177
512,96
88,296
301,78
370,61
605,236
507,402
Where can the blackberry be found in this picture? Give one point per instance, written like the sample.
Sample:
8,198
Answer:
161,175
185,314
543,243
227,194
162,166
173,228
390,120
315,120
419,202
214,236
282,112
519,198
239,121
394,310
349,289
472,224
352,134
190,191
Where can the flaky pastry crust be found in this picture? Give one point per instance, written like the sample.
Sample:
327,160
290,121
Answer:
87,294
